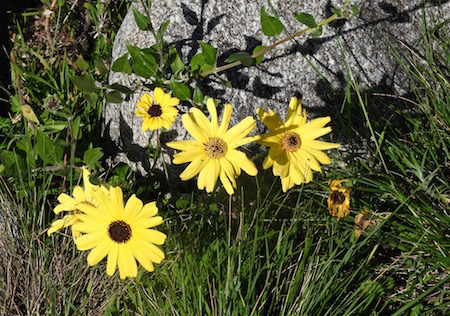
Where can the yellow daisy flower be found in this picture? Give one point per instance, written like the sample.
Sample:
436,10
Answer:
120,232
157,114
294,149
339,199
213,152
70,205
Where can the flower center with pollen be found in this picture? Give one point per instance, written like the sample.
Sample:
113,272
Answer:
155,110
291,141
216,148
119,231
337,197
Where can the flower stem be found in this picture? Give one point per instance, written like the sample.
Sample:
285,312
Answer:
216,70
158,45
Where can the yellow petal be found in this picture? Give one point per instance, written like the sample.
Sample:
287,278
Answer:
271,119
241,160
203,123
188,156
158,95
194,168
89,241
225,121
213,113
319,145
185,145
99,252
116,198
126,262
132,209
239,131
287,183
148,222
142,257
193,128
208,175
226,182
112,259
149,236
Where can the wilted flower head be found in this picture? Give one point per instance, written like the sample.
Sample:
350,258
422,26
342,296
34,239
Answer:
339,198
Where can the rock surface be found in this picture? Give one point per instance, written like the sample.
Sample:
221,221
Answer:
295,68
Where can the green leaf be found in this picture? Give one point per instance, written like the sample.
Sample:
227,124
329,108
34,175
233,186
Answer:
197,62
144,63
120,88
113,97
257,49
245,58
306,19
354,10
25,144
91,158
84,83
75,128
209,53
316,32
100,65
175,61
180,90
12,164
55,125
161,31
198,95
81,63
225,83
91,97
141,20
271,26
336,11
122,65
45,148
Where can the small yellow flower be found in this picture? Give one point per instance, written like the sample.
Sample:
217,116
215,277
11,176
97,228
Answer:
70,205
157,114
294,149
123,233
213,152
362,221
339,199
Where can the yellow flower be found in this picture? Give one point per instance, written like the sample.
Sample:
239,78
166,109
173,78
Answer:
339,199
158,114
70,205
362,221
213,152
120,232
294,150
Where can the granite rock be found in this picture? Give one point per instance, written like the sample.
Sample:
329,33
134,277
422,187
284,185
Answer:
298,68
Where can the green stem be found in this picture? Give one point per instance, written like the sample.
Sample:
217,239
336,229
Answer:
158,46
216,70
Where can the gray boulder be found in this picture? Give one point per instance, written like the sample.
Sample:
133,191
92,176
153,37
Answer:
312,68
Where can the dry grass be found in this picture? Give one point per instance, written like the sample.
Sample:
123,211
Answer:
39,274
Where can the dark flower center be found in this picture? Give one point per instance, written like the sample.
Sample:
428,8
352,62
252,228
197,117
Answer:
216,148
337,197
119,231
291,142
155,110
